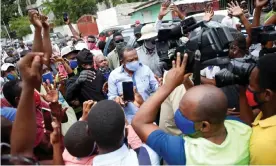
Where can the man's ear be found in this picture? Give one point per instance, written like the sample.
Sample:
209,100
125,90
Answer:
268,95
205,127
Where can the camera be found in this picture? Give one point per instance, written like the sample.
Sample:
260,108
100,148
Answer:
263,34
237,72
208,46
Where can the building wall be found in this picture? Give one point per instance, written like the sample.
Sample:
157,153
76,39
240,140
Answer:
149,14
123,10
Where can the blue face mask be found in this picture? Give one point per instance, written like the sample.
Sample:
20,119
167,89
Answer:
185,125
132,66
11,77
73,64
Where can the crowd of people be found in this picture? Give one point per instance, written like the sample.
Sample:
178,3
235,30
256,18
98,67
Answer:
69,105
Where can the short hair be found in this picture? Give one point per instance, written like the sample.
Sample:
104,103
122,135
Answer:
77,141
102,34
106,122
101,45
117,34
211,103
12,90
125,49
240,40
267,71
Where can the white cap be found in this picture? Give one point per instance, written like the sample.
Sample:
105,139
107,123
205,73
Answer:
5,66
148,31
80,46
66,50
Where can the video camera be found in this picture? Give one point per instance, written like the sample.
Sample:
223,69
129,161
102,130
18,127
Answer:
263,34
208,47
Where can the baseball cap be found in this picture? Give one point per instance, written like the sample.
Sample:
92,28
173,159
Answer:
85,57
5,66
66,50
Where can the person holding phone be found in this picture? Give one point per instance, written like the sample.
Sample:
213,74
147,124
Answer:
129,76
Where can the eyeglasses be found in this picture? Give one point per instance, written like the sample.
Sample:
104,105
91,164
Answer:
119,41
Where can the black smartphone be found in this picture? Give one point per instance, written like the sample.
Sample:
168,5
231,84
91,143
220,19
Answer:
128,91
47,116
65,17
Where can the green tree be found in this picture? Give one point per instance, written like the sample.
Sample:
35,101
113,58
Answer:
21,26
74,8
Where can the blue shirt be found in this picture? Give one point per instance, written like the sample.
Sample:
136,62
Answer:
8,113
143,79
171,147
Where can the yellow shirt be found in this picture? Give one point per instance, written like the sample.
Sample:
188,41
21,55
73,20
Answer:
263,141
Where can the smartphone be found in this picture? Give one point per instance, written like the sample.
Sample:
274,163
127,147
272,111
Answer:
62,70
128,91
65,17
48,76
73,64
47,116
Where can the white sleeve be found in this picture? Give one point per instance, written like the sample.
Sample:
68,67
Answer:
215,70
158,24
154,158
203,72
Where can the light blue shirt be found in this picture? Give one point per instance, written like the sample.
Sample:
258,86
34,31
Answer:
143,79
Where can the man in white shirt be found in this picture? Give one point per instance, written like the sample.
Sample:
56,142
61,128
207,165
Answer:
106,121
230,21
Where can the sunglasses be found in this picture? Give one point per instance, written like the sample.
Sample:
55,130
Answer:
119,41
91,41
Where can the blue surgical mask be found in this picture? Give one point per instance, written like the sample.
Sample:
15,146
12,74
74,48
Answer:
185,125
73,64
11,77
132,66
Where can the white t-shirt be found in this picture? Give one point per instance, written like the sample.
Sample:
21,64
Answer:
230,22
210,72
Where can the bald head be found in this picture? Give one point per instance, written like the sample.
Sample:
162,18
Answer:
204,103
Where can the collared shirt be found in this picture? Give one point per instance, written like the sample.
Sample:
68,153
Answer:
151,60
263,141
124,156
113,59
143,79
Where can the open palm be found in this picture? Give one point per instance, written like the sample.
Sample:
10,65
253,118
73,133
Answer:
51,96
235,9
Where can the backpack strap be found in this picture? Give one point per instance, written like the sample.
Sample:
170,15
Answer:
143,156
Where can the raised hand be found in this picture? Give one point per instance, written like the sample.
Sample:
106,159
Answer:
52,93
209,13
34,18
164,8
58,112
175,76
30,67
55,136
87,105
44,20
138,99
235,9
261,3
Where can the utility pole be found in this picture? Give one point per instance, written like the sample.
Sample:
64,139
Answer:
6,30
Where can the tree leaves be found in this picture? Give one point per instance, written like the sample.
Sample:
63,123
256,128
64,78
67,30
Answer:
21,26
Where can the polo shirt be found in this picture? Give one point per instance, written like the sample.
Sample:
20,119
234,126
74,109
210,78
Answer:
263,141
185,150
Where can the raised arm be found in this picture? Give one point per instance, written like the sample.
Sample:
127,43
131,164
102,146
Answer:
47,46
36,22
72,29
24,127
259,4
144,118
